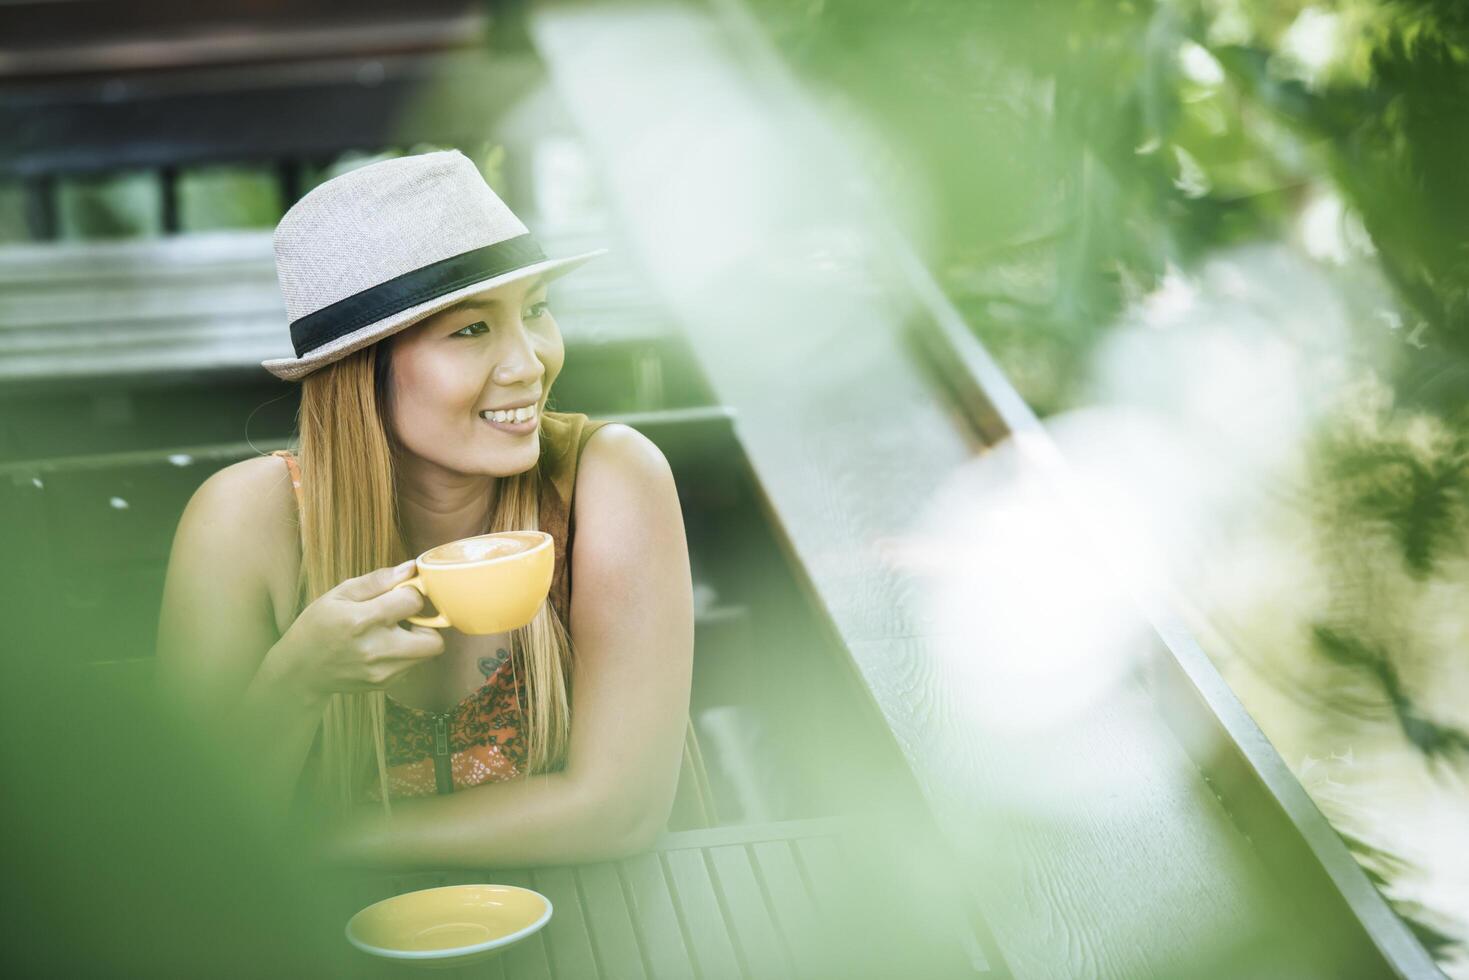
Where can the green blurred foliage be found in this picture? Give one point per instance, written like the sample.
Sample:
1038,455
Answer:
12,212
1078,153
115,205
488,155
129,204
228,197
130,850
1076,149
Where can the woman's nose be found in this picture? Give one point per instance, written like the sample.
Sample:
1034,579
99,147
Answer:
518,363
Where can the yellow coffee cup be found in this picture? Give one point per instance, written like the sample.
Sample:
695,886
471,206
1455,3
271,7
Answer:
489,583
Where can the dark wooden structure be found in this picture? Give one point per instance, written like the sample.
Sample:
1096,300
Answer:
93,87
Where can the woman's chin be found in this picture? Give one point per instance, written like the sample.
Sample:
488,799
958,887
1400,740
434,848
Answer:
510,462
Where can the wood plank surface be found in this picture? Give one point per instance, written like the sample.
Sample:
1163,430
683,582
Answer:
657,921
211,301
790,904
568,939
706,927
610,921
527,959
749,917
799,898
928,922
850,911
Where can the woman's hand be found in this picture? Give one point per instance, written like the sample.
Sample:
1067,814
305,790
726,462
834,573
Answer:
349,639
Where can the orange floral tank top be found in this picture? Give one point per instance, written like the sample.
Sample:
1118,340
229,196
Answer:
481,738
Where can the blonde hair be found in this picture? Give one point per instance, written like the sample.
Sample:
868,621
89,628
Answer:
351,526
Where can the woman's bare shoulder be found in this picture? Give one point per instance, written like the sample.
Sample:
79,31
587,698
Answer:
623,476
247,512
258,487
226,594
619,453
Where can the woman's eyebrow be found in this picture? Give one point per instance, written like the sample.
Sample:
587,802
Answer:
485,302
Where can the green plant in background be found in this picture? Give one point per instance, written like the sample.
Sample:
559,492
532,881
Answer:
228,197
1084,155
12,212
120,205
488,155
491,162
1383,87
218,196
1077,149
347,161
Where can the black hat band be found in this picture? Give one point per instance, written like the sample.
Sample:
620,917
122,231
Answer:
411,288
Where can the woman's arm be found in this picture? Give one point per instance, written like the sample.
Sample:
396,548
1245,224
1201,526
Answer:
632,622
219,659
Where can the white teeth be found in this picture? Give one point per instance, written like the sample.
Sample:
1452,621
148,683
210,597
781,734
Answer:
512,415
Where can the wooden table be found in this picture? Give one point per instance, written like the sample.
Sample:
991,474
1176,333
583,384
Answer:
831,897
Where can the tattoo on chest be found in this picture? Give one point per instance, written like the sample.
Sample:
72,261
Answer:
488,665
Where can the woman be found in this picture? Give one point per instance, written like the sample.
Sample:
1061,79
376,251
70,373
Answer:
419,317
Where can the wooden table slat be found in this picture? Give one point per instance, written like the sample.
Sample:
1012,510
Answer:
708,930
830,897
660,932
527,959
610,921
839,900
928,926
752,922
812,951
568,942
488,969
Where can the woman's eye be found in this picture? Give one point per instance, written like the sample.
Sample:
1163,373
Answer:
479,327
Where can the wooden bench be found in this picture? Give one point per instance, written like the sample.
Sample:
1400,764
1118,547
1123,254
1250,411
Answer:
204,304
136,345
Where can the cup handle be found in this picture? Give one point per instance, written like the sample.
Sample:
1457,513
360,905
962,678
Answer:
437,622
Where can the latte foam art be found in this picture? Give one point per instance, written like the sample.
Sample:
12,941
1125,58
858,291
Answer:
478,549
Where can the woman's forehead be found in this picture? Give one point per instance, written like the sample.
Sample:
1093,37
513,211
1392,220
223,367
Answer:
503,293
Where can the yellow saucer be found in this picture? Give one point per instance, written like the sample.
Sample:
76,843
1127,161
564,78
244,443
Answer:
452,923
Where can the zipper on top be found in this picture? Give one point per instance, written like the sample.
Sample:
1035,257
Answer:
443,773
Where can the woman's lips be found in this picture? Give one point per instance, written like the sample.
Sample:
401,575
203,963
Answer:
515,428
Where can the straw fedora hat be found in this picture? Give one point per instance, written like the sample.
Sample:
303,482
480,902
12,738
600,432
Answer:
376,249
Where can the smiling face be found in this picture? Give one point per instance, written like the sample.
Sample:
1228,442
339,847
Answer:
495,350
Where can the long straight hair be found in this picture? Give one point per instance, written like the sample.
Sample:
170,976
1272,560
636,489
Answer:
351,525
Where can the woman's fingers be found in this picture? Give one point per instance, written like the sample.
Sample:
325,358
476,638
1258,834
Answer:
407,648
375,583
393,605
421,642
